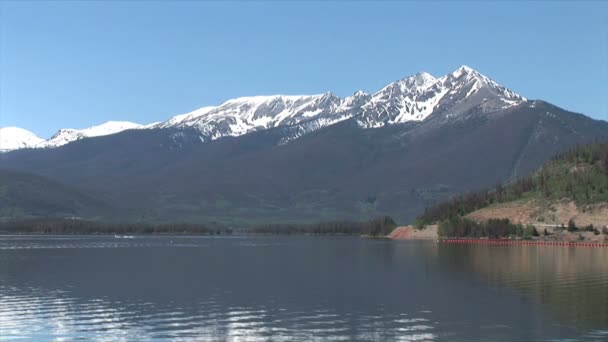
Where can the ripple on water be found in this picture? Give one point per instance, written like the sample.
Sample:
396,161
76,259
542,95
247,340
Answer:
34,310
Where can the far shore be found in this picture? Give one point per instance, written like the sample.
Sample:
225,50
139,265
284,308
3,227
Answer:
554,235
411,233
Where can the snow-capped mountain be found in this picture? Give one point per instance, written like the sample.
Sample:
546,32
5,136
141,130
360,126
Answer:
65,136
413,98
432,134
417,97
12,138
248,114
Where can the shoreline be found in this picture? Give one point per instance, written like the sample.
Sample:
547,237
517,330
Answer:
412,233
555,238
478,241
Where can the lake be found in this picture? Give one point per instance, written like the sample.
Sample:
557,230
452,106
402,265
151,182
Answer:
297,288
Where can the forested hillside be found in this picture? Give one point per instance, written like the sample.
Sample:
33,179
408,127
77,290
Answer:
25,195
580,175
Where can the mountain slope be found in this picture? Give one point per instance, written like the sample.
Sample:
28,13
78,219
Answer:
339,171
569,191
579,175
27,195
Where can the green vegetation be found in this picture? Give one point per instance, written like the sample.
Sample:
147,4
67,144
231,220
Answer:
572,226
76,226
377,227
580,174
419,223
457,226
380,226
25,195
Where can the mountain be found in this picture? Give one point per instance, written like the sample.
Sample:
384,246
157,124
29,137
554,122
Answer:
342,171
13,138
313,158
417,97
27,195
412,98
65,136
249,114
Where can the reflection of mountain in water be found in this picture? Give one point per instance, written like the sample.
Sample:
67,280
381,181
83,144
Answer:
273,288
570,283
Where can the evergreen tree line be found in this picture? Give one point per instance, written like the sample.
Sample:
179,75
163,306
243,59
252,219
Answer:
380,226
77,226
581,174
457,226
572,227
376,227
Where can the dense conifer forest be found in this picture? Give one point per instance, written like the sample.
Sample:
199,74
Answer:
380,226
377,227
457,226
77,226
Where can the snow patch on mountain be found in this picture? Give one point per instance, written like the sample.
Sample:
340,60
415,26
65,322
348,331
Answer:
414,98
65,136
13,138
248,114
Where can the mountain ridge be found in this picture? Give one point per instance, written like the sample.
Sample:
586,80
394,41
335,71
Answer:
342,171
413,98
264,159
14,138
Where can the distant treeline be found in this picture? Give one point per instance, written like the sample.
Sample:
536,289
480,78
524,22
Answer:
580,174
380,226
78,226
377,227
494,228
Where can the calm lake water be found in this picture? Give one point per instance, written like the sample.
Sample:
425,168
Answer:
297,288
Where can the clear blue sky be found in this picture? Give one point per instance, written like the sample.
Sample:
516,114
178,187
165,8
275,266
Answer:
76,64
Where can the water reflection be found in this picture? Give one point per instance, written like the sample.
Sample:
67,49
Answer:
570,283
58,316
296,288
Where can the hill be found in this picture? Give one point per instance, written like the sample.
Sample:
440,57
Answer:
570,191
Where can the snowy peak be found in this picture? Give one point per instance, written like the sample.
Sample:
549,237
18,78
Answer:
409,85
412,98
468,76
416,97
465,70
468,88
463,92
109,127
421,80
248,114
356,100
13,138
65,136
359,93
